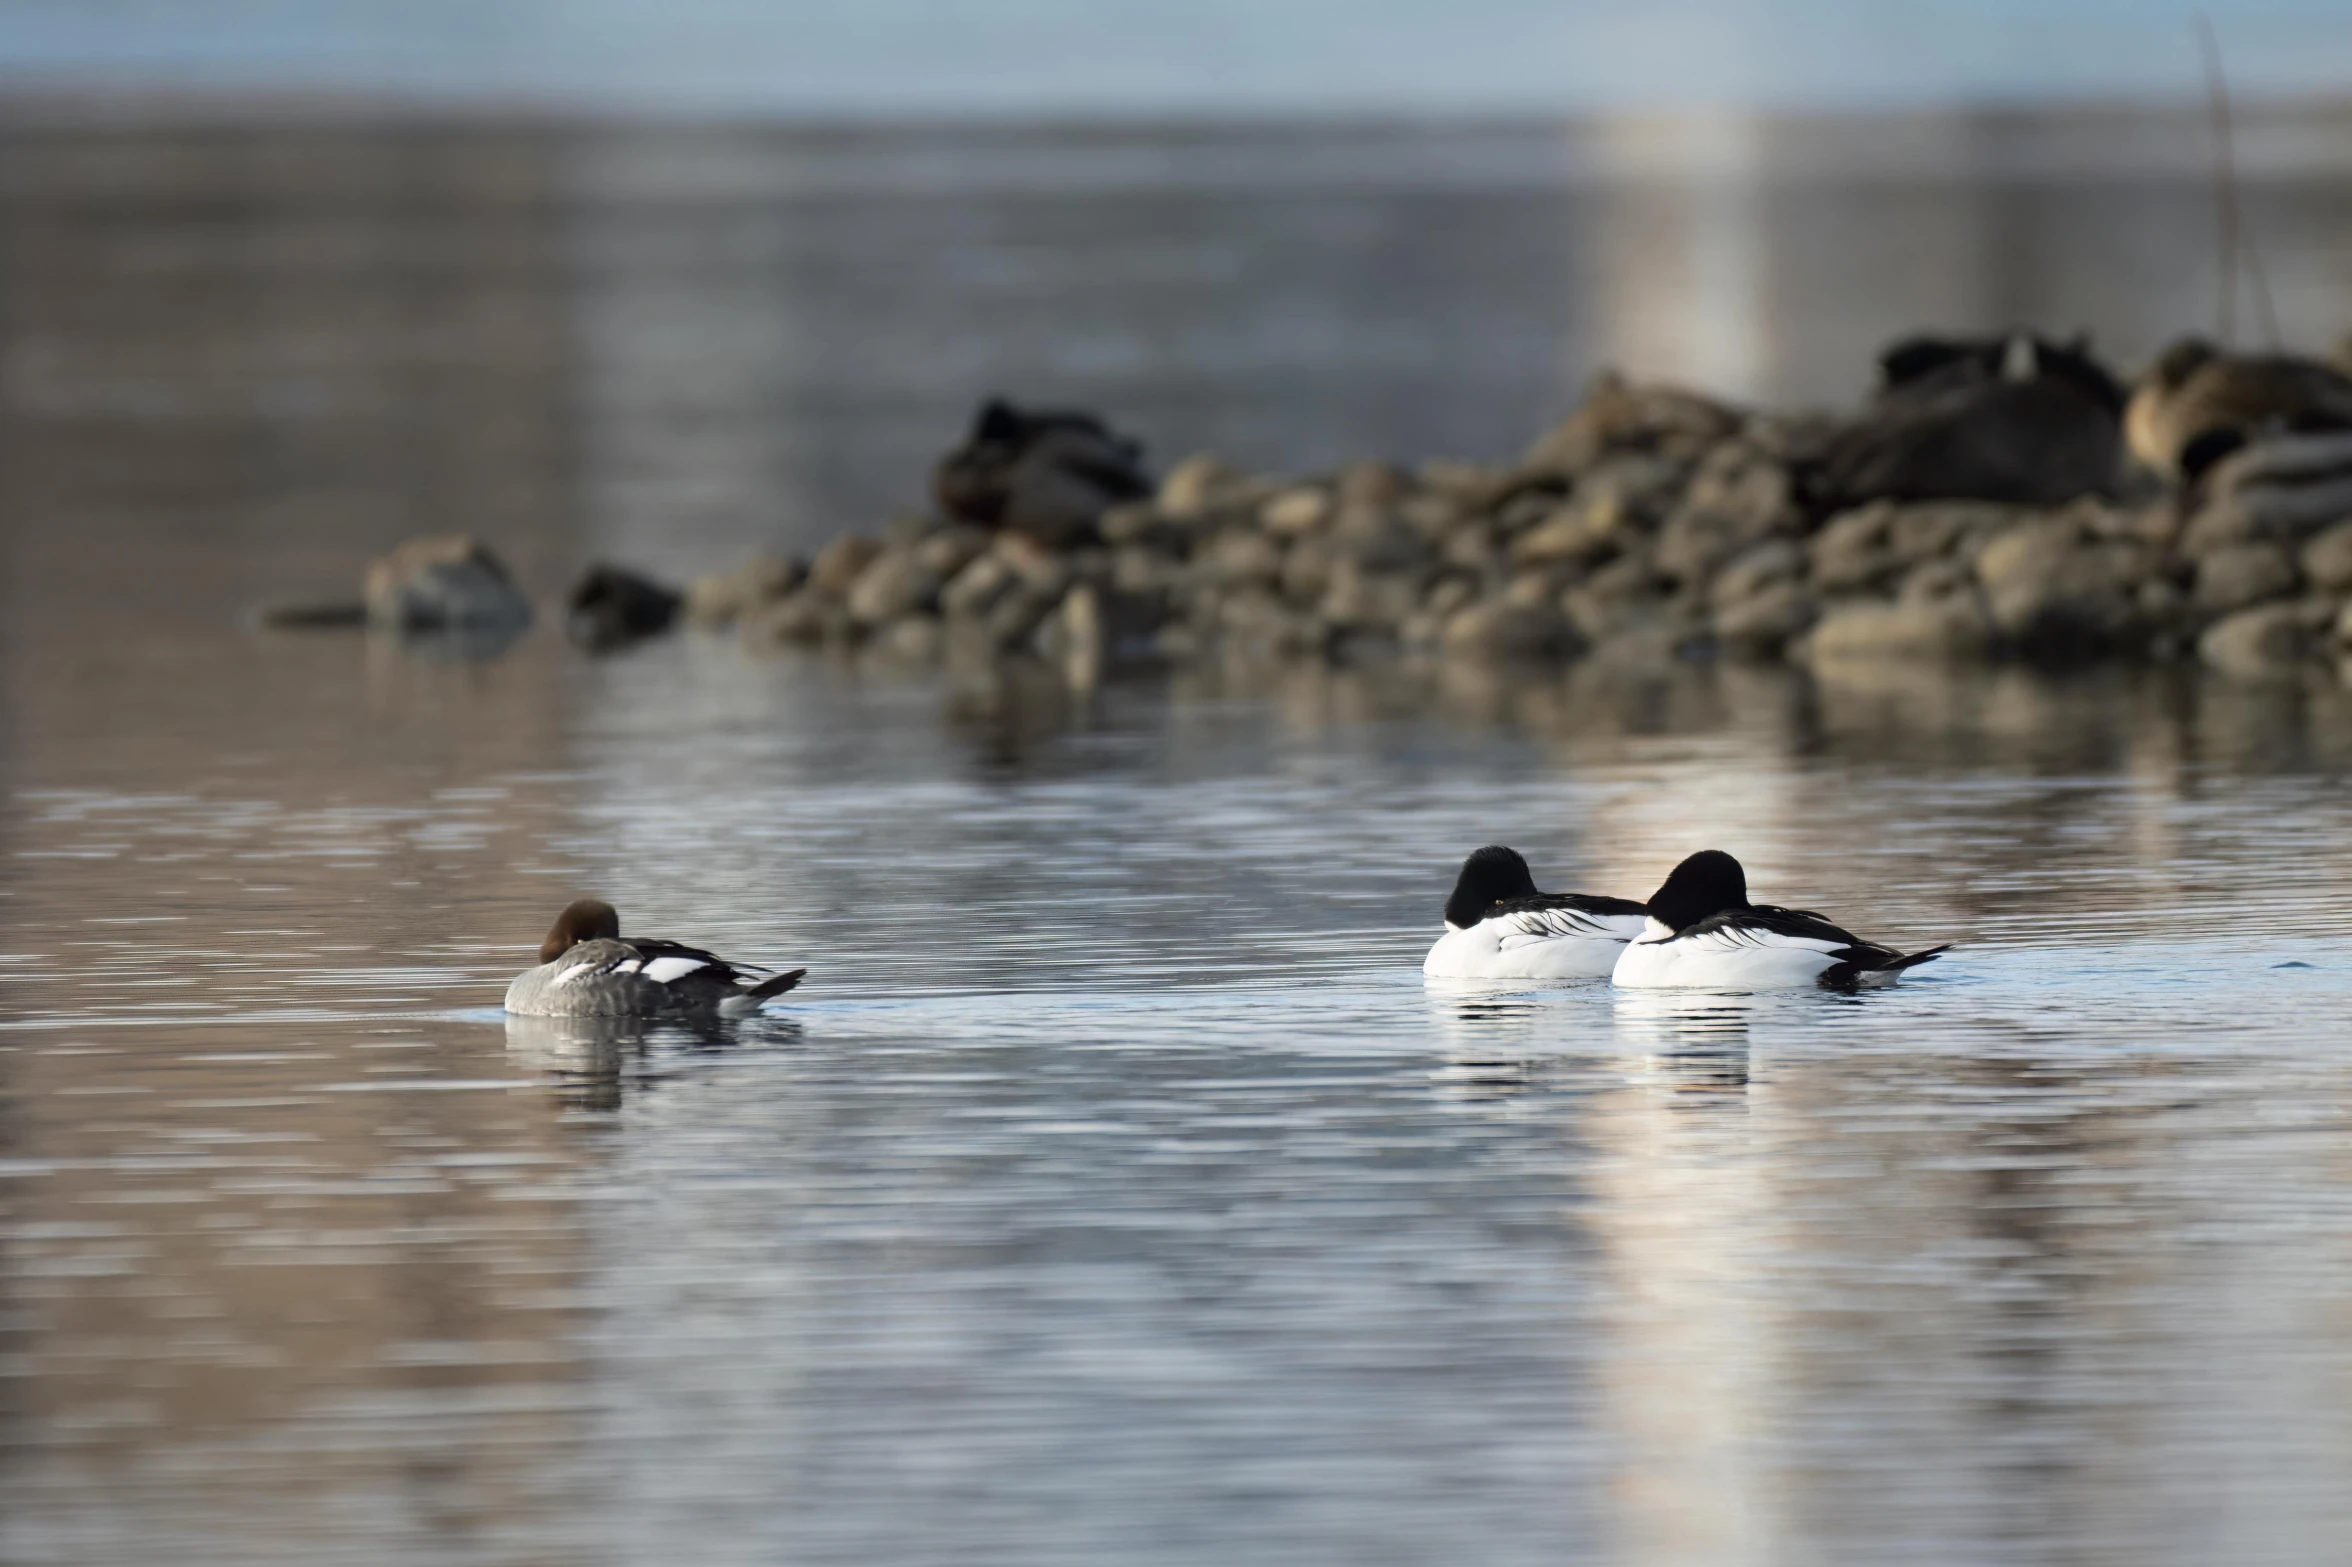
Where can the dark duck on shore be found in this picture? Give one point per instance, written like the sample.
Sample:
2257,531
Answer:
1703,933
1048,473
587,970
2017,418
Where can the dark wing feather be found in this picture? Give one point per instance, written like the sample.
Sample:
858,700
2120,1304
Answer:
1763,919
720,968
1565,914
1582,903
1853,957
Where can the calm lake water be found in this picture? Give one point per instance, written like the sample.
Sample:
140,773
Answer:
1114,1190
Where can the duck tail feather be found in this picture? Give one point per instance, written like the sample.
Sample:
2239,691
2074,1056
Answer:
776,984
1913,960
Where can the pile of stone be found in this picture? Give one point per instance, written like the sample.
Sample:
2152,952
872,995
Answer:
1980,508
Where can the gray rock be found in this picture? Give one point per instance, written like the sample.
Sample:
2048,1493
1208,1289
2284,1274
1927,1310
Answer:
1575,532
1762,624
723,598
803,617
1041,570
1497,628
1306,571
1081,635
2238,575
1139,522
971,592
1363,600
1377,540
1448,594
1013,619
2265,640
1377,485
894,584
1948,628
949,550
1255,621
840,563
1597,617
1736,497
1645,486
1617,415
2285,488
2050,586
449,582
1195,486
1925,530
1855,551
911,639
1628,576
1238,557
1755,570
1295,512
1473,547
2327,559
1432,514
1650,643
1147,572
1935,579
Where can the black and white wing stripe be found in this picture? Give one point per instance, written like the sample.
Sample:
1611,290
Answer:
1549,916
1764,926
660,962
667,962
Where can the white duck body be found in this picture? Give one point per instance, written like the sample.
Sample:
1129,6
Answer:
1499,927
1703,934
589,971
1552,939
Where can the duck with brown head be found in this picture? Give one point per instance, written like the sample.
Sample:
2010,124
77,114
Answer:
1703,933
587,970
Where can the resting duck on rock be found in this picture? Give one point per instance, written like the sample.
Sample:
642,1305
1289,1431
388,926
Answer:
2018,419
2199,403
1499,927
1703,933
587,970
1048,473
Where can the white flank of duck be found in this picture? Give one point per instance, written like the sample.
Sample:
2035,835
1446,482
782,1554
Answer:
1703,933
587,970
1499,927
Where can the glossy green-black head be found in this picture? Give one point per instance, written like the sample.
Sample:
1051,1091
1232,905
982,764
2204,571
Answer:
1709,882
1492,875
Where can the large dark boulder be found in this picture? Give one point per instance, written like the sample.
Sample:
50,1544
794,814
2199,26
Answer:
1050,474
612,606
2018,419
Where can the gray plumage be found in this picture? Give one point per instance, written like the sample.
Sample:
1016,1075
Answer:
586,969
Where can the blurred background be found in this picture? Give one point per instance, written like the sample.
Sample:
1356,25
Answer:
717,272
1114,1190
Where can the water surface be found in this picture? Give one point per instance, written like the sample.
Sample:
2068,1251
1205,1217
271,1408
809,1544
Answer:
1115,1189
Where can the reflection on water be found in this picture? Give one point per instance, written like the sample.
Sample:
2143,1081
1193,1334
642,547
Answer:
1115,1189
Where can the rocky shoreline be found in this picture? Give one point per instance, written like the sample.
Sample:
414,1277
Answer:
1986,505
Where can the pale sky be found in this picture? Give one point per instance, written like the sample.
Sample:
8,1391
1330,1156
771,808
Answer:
831,58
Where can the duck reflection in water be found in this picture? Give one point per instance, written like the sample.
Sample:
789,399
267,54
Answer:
1694,1041
596,1061
1492,1034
